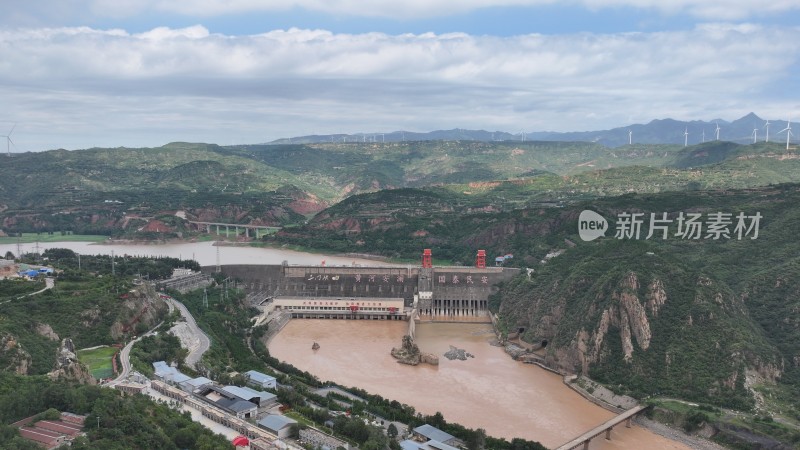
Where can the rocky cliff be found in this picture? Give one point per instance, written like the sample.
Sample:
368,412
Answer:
140,311
644,321
67,366
13,358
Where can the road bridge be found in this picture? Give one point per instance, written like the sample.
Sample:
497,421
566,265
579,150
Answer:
258,229
583,439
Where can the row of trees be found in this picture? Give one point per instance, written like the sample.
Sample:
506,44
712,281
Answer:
114,422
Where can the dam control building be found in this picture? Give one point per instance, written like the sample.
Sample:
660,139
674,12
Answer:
385,292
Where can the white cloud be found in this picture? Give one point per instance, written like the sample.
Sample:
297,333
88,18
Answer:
76,87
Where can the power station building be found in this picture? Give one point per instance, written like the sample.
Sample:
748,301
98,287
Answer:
387,292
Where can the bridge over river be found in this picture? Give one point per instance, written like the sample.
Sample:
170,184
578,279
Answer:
227,227
583,440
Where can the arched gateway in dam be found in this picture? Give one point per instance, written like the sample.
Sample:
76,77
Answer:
389,292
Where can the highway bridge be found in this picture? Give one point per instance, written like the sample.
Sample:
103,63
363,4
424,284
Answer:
583,439
226,228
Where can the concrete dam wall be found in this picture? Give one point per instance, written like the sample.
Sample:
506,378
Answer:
446,292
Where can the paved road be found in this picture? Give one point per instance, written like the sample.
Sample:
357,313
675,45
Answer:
196,352
49,283
125,359
125,353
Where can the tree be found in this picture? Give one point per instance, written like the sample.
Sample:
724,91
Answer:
476,439
437,420
391,431
9,255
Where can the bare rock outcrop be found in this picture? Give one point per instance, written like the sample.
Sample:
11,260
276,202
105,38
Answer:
68,367
627,313
141,306
13,358
409,353
46,330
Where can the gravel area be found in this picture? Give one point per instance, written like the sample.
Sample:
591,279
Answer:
677,435
188,340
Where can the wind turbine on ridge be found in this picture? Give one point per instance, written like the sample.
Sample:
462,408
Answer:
755,135
717,130
766,125
9,141
788,131
686,137
630,137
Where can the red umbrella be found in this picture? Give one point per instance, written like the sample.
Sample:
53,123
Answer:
240,441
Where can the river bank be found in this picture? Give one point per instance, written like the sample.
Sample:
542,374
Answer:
603,397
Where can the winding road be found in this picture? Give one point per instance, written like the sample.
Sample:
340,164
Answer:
195,353
203,342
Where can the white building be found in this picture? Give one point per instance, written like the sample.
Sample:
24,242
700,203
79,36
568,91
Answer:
168,374
260,380
343,308
192,384
277,424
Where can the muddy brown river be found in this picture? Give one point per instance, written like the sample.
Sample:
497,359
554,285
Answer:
490,391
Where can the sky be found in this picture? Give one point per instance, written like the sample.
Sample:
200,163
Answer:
78,74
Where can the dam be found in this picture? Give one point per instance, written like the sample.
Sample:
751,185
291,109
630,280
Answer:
389,292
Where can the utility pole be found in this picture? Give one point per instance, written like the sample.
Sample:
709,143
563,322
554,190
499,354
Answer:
219,269
205,298
113,271
79,261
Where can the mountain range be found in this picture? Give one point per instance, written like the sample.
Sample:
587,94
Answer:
659,131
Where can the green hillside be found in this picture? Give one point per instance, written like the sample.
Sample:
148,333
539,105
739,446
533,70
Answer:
118,191
710,331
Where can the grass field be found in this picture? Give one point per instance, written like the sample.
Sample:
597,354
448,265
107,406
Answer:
98,361
28,238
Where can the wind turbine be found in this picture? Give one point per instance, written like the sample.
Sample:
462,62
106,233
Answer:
704,136
755,135
766,125
630,137
788,131
8,140
717,130
686,137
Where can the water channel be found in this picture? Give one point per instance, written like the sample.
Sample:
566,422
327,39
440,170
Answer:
491,391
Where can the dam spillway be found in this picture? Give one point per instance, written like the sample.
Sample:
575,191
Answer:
446,293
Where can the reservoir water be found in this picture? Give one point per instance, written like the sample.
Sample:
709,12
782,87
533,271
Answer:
204,253
491,391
